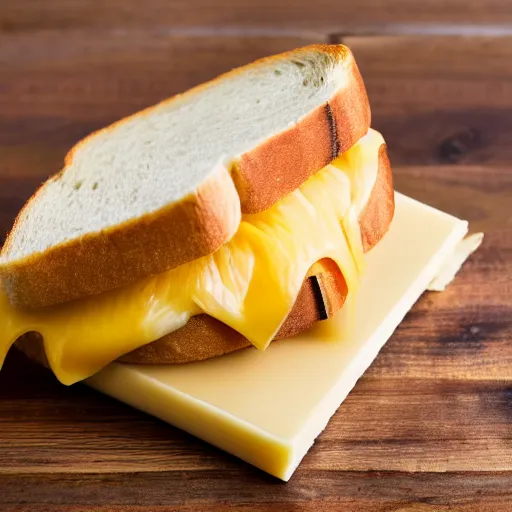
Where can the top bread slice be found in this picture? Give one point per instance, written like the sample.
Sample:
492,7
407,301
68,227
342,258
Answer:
169,184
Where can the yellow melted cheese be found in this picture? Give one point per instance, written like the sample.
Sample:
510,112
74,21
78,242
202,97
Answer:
250,283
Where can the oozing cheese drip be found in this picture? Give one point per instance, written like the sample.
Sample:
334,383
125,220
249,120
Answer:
249,284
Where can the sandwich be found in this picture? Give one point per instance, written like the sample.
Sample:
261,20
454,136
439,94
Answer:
231,216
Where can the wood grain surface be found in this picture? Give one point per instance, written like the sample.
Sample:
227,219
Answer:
199,16
429,426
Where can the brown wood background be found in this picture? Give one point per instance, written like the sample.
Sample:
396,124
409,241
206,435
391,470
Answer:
429,427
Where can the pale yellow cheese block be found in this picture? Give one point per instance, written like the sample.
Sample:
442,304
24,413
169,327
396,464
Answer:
268,407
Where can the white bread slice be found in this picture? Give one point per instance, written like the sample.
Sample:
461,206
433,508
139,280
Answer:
167,185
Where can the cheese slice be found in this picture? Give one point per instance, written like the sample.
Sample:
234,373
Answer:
250,283
268,407
452,265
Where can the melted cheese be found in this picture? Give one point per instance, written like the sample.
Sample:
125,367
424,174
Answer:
250,283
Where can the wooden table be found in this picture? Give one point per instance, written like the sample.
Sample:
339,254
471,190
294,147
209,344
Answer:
429,426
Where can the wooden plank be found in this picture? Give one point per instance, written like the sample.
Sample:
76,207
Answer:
59,77
316,490
439,396
472,344
440,99
331,504
262,15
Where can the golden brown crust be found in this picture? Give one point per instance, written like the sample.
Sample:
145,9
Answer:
204,337
378,212
285,161
148,245
154,243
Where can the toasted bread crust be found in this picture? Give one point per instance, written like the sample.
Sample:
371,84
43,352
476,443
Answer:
114,258
285,161
154,243
378,212
204,337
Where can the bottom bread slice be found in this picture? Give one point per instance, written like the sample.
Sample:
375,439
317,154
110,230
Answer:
268,407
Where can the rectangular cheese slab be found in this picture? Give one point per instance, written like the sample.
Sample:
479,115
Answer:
268,407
